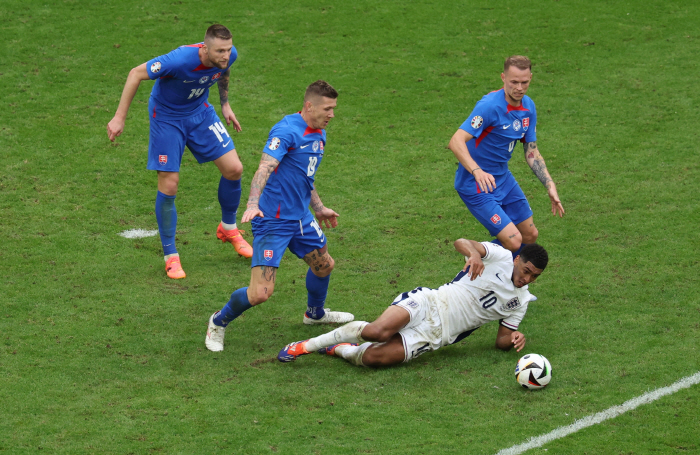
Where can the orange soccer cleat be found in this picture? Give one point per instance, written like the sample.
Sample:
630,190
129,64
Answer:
174,269
235,238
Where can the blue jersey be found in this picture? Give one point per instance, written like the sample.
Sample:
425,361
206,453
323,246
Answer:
496,127
299,149
182,82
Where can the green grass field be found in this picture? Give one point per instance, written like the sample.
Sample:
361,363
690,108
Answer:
101,353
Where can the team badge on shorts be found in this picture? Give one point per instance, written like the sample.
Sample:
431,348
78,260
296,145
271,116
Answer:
162,159
477,121
268,254
496,219
516,125
155,67
526,123
274,143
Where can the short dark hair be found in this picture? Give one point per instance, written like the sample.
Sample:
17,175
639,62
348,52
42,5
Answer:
518,61
320,88
218,31
535,254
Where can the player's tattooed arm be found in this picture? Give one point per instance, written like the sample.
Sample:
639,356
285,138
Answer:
223,86
267,165
536,163
316,203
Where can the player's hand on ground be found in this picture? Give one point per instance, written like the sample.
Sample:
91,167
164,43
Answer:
485,180
115,128
518,340
230,117
475,265
251,213
327,217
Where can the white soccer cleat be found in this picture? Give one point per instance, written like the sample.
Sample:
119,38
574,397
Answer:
331,317
215,335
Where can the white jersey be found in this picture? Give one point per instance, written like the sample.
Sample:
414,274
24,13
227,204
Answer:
465,305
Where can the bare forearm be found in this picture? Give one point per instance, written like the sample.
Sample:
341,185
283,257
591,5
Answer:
316,203
265,169
223,87
470,248
459,148
536,162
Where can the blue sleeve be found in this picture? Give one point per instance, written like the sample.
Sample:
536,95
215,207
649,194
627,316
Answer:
279,142
478,120
531,133
164,65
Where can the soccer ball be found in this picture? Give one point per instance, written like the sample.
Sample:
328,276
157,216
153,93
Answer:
533,371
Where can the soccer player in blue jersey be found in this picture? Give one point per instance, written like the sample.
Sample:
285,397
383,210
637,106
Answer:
180,116
278,208
484,144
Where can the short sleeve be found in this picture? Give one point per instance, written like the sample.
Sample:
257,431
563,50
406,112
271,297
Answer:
278,143
478,120
496,253
513,321
163,66
531,133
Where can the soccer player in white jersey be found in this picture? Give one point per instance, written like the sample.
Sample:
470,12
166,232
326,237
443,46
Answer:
492,287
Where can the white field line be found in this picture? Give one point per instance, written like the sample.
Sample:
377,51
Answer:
615,411
138,233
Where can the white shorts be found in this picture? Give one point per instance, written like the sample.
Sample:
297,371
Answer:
424,331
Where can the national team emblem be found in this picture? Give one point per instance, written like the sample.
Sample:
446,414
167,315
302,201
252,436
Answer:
315,146
512,304
516,125
274,143
268,254
321,145
216,76
496,219
162,159
477,121
526,123
155,67
203,79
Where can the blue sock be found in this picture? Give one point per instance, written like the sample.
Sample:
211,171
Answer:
229,199
166,215
318,290
234,308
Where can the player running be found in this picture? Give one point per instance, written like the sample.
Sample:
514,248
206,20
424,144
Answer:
278,209
492,287
181,116
484,144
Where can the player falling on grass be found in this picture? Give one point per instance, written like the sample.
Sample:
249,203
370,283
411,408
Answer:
492,287
181,116
278,209
484,144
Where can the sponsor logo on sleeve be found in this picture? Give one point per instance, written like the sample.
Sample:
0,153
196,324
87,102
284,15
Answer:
268,254
496,219
274,143
477,121
162,159
155,67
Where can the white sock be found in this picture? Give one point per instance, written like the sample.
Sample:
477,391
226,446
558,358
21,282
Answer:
171,255
349,333
228,227
352,354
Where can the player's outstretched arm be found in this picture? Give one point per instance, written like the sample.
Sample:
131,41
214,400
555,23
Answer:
265,169
326,216
458,145
536,162
507,339
474,251
116,125
226,110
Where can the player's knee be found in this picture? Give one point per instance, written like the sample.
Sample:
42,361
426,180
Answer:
374,332
324,267
233,172
513,243
531,235
374,356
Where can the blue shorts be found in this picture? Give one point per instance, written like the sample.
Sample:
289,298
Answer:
273,236
203,134
495,210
